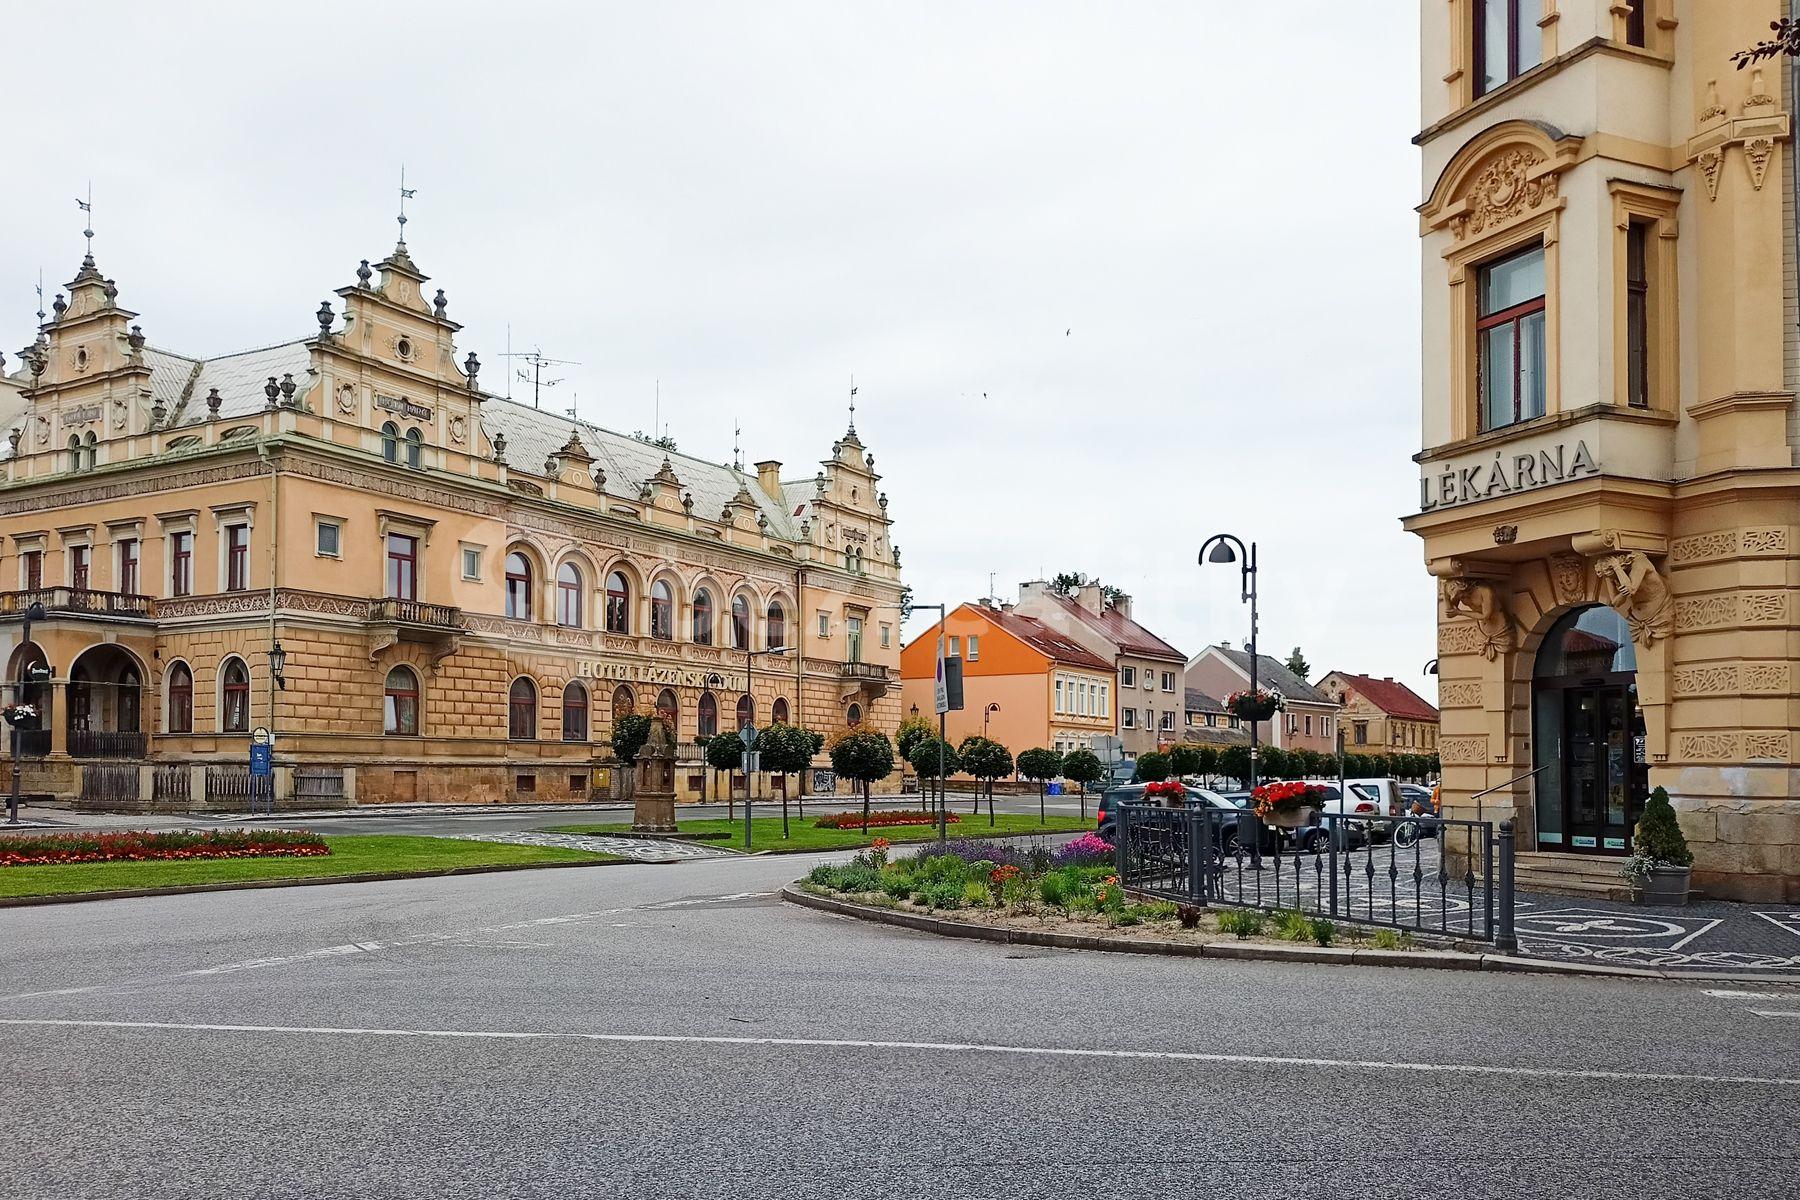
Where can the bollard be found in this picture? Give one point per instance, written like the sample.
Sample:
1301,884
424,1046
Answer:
1504,937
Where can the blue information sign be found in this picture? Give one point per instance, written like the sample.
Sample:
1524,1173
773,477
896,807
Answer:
262,761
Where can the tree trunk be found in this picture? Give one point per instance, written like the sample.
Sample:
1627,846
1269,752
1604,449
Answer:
1043,790
990,785
784,806
865,827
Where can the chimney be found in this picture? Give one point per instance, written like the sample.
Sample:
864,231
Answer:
1122,606
1006,607
1387,679
1032,587
1088,595
768,478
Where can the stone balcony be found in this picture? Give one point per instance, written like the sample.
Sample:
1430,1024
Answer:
393,620
78,602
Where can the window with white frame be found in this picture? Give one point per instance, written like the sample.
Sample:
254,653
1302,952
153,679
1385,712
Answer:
328,539
824,625
974,647
887,635
1167,724
1059,698
1127,676
1105,696
1128,717
1168,681
956,646
471,562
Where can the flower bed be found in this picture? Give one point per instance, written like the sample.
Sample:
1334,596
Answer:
1088,850
855,820
55,849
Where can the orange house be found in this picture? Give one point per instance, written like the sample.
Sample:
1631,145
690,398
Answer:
1027,683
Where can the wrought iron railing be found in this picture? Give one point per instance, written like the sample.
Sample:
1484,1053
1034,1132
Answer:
1372,870
102,743
86,601
415,612
864,672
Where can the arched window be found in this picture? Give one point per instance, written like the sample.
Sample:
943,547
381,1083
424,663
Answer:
777,626
703,618
746,712
853,715
623,702
234,697
74,452
708,715
390,441
662,611
740,622
400,708
415,449
521,710
668,707
575,712
181,698
568,595
90,450
779,711
518,587
618,603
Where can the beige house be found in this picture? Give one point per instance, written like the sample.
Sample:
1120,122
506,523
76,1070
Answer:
1380,716
1309,722
1149,670
461,592
1608,473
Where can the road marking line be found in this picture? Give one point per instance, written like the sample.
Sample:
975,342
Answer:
1269,1060
1725,994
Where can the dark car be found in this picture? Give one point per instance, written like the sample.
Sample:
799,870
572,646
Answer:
1133,793
1412,794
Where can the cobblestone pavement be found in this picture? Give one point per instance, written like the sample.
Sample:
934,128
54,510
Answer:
642,849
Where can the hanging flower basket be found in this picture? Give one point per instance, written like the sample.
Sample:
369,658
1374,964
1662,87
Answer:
1258,705
21,716
1288,804
1168,793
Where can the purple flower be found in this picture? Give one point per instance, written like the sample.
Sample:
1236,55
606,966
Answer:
1088,850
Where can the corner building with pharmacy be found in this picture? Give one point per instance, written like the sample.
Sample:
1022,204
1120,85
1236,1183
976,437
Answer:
1609,495
464,590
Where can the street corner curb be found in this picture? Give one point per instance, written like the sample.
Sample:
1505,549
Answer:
1443,960
246,885
1266,953
1540,966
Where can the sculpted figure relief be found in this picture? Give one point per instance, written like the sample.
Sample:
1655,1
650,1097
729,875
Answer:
1481,600
1631,584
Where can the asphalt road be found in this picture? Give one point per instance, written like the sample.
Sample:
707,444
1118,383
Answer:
673,1031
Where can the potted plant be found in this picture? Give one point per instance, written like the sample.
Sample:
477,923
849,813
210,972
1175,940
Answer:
1257,705
1166,793
20,716
1660,862
1287,805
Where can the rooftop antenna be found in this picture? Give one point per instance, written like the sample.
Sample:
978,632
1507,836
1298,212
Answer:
574,400
993,592
406,194
538,362
87,206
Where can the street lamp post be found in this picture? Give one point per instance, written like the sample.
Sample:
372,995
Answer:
33,612
1225,548
986,713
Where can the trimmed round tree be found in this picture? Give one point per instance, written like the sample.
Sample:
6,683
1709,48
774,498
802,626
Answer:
787,750
924,760
1040,766
1234,761
863,755
725,752
1082,767
987,760
1152,766
912,731
1184,760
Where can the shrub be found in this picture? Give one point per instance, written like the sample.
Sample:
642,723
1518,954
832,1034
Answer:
1053,890
944,893
1188,915
1322,930
1241,923
858,878
1391,939
1088,850
1659,837
1156,910
897,886
143,846
1292,925
854,820
976,894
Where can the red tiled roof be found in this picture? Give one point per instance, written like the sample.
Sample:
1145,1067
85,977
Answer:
1394,699
1041,637
1127,634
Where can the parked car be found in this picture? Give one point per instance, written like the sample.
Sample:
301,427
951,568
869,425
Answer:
1133,793
1413,794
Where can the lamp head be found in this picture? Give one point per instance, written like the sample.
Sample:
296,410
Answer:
1221,552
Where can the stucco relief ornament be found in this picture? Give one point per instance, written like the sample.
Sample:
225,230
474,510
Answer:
1568,573
1709,162
1503,190
121,413
1631,585
43,430
346,400
1481,600
459,429
1757,152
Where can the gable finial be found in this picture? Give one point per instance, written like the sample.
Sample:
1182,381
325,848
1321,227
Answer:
40,296
406,194
87,206
853,404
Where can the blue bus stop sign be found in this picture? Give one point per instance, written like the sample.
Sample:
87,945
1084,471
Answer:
262,759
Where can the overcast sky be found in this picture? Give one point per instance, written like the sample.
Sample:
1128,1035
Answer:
1110,276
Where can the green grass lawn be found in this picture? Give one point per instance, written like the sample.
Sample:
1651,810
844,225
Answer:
353,855
803,835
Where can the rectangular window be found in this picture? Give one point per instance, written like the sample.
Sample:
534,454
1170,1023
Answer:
237,557
471,563
1127,676
887,635
1634,24
1168,722
1128,717
1309,725
402,567
1059,699
1168,681
824,625
853,639
128,566
974,647
80,563
1359,733
181,563
956,647
1510,339
1102,709
1508,40
1637,313
31,570
328,539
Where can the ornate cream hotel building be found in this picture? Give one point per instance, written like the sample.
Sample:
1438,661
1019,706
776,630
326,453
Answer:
464,590
1609,495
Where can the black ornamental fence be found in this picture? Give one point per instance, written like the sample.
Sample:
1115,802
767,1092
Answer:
1448,878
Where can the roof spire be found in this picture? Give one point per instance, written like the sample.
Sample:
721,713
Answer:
40,296
87,206
406,194
853,404
737,453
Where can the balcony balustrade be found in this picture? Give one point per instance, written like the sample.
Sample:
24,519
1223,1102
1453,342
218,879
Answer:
86,602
